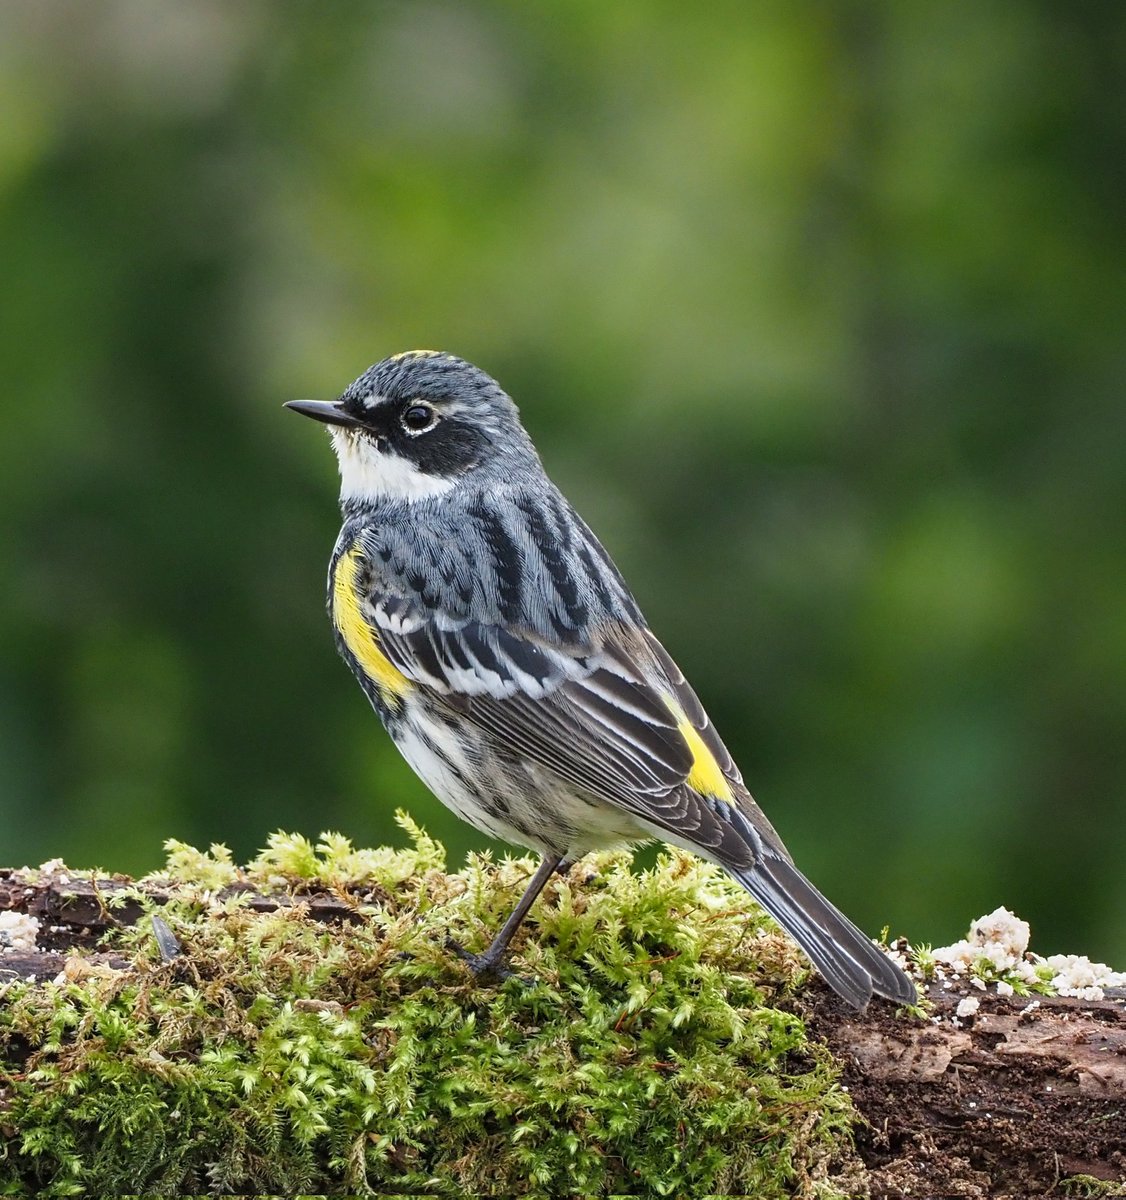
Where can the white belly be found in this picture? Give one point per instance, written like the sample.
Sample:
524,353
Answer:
516,801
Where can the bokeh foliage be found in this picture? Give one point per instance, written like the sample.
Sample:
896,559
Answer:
815,311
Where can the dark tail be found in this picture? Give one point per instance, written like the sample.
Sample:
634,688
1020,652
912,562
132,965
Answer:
852,965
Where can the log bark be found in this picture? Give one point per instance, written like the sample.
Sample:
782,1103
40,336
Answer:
1012,1100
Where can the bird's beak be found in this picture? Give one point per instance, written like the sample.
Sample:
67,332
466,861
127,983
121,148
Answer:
331,412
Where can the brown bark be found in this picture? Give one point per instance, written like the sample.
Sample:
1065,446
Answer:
1007,1102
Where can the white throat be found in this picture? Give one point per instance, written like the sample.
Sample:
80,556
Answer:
368,475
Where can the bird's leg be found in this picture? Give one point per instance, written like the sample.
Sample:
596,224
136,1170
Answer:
490,962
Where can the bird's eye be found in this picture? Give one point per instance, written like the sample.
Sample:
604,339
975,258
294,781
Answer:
418,417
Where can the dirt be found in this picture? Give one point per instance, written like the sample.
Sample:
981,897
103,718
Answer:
1014,1101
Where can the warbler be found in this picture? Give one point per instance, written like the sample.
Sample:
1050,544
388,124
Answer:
512,666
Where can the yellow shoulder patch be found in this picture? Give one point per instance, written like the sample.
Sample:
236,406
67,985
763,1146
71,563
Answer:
360,638
706,777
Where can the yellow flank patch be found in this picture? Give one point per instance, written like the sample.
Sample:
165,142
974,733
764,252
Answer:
706,777
360,638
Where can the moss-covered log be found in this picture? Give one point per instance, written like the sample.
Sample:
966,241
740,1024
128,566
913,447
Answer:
301,1026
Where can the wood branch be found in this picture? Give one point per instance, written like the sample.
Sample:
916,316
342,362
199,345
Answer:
1010,1100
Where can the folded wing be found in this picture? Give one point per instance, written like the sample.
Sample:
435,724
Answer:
615,719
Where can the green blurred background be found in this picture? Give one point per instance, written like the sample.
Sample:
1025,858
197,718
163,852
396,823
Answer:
816,311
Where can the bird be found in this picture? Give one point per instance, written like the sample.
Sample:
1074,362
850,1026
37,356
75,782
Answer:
512,666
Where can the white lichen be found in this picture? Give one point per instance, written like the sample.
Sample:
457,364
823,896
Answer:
1075,975
995,951
18,931
1000,939
967,1007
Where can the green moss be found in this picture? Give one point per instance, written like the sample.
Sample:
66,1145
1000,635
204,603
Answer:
642,1052
1088,1187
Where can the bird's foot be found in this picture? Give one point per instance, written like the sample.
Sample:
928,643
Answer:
488,966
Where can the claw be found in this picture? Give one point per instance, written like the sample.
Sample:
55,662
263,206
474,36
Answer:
485,966
491,963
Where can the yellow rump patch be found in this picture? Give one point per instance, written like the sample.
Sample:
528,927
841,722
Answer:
360,638
706,777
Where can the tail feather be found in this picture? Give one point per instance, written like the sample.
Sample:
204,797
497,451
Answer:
852,965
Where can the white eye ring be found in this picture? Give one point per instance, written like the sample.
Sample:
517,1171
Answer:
418,408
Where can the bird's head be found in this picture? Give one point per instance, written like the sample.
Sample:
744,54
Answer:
416,425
